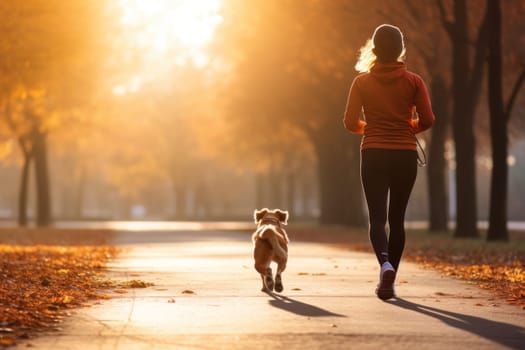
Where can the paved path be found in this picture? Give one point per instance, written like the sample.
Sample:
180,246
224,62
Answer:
328,303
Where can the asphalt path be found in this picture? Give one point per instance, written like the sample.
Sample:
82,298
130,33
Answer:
206,295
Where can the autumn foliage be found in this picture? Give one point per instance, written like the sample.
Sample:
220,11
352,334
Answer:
503,274
499,268
40,284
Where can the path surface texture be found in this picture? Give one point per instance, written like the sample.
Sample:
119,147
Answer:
207,296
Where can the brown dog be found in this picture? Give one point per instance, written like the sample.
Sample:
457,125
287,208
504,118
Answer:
270,243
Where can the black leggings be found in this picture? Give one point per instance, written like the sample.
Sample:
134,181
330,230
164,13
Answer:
388,175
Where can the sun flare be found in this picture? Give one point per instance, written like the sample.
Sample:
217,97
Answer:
180,29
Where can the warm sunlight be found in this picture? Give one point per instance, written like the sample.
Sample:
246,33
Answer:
164,24
181,27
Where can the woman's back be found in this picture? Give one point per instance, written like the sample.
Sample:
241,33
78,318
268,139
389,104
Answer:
387,96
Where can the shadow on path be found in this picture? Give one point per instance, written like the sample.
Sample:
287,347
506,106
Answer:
298,307
505,334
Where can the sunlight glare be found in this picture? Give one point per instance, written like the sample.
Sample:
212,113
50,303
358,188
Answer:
165,34
186,26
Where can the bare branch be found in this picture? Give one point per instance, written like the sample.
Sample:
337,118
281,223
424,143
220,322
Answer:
514,94
448,25
480,53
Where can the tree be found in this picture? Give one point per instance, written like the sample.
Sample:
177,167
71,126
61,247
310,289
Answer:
44,44
499,119
467,75
11,117
294,69
419,20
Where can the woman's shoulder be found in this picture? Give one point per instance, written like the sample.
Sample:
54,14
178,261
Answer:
361,77
414,76
415,79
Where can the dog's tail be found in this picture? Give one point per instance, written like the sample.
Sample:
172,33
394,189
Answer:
271,235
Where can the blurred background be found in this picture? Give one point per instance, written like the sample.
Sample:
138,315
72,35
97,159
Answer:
208,109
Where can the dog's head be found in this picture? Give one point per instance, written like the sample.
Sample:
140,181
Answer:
278,214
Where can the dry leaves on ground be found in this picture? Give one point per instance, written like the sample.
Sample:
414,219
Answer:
40,284
502,273
498,267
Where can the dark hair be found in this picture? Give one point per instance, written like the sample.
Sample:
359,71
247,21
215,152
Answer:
388,43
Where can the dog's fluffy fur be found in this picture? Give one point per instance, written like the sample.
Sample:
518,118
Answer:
270,243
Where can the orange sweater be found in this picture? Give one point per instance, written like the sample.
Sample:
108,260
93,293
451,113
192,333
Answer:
387,97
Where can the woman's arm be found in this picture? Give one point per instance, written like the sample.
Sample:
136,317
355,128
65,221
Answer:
426,117
354,109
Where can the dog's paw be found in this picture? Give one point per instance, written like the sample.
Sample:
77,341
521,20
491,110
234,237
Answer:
278,284
268,283
268,280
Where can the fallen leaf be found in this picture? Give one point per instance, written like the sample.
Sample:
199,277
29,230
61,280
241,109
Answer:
120,291
135,284
7,341
442,294
39,283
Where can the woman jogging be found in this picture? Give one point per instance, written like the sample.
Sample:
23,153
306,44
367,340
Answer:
388,105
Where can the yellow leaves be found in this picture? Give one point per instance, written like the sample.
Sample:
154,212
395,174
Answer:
498,268
6,149
6,341
492,270
120,291
39,283
129,284
137,284
36,93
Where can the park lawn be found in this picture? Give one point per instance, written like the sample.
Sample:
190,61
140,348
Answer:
498,267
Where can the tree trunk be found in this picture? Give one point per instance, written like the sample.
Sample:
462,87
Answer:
465,89
259,191
43,193
275,190
290,193
437,166
24,182
341,200
308,195
181,207
498,131
78,197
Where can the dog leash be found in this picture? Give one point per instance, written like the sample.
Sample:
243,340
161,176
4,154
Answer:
421,155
